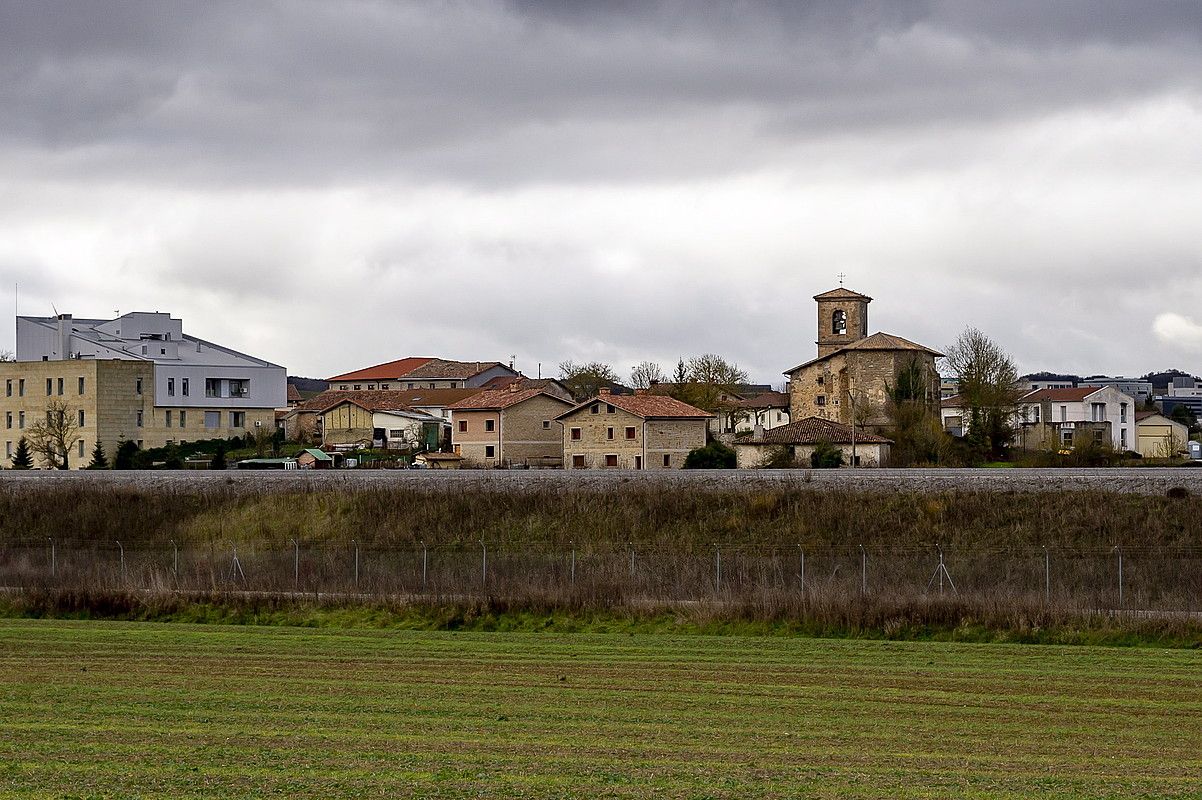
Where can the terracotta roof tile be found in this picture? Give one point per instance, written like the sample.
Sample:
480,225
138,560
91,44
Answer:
409,398
389,371
647,406
500,398
1071,395
812,430
877,341
457,370
765,400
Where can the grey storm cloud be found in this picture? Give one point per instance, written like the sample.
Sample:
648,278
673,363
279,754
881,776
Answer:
472,172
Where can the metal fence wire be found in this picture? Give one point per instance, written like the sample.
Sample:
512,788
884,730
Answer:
1154,579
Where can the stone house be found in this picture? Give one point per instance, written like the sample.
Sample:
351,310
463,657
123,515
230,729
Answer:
849,381
859,448
639,431
509,427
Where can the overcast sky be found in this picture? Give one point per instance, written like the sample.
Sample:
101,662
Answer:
330,185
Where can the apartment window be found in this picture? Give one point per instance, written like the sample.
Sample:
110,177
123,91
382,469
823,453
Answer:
1035,413
463,426
343,387
167,416
139,419
81,448
611,460
1122,412
183,418
1097,435
490,451
596,409
237,419
384,386
1098,412
8,450
60,387
213,387
609,409
239,388
577,462
81,418
667,459
820,400
212,419
546,424
371,387
609,433
358,386
490,425
1066,437
81,384
171,387
138,386
630,432
49,386
143,349
8,419
8,388
575,434
184,386
1064,413
21,387
21,420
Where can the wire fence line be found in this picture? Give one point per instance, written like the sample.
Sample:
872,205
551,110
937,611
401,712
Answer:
1151,578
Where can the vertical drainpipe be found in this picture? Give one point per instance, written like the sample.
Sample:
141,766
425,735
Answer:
500,426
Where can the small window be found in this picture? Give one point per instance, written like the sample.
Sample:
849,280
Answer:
596,407
396,433
344,387
411,386
8,419
20,387
575,434
609,433
184,387
8,449
820,400
630,432
490,451
21,420
138,386
1123,438
463,426
81,385
546,424
183,418
60,387
611,460
8,388
577,462
237,419
171,387
49,386
139,419
81,418
167,416
821,380
81,448
358,387
609,409
371,387
667,459
143,349
212,419
490,425
384,386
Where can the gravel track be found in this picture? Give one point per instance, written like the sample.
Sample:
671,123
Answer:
1145,481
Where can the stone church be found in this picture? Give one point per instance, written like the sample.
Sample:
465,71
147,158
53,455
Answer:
849,380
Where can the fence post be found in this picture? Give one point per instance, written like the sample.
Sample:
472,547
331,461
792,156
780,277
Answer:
174,560
423,565
863,570
1119,548
630,545
801,574
718,566
122,549
1047,575
295,565
483,564
355,542
573,544
53,559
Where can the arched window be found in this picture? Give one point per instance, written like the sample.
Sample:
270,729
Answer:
839,323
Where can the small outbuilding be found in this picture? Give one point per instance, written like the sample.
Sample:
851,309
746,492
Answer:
801,438
312,458
438,460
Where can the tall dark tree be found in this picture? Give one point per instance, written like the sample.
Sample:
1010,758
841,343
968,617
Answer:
987,382
124,457
99,460
22,457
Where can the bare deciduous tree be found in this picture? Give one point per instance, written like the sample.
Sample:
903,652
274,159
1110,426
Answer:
53,437
646,373
988,379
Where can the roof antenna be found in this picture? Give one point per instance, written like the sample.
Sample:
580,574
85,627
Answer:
55,310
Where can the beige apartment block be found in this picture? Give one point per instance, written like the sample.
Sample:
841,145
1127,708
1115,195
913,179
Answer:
509,427
112,401
639,431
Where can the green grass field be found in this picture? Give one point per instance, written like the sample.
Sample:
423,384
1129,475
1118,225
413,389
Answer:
105,709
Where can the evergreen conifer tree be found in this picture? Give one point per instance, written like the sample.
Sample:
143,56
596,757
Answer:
22,459
99,459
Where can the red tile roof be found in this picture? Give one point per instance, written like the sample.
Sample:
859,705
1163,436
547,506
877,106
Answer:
455,370
498,399
812,430
294,395
410,398
1072,395
647,406
390,371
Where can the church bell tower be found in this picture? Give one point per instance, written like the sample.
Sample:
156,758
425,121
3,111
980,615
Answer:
842,319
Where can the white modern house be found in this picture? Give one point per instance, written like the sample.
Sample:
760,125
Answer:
1068,417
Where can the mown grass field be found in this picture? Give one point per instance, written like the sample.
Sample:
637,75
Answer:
106,709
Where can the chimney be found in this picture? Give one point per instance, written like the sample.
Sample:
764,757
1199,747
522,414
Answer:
603,391
64,336
640,391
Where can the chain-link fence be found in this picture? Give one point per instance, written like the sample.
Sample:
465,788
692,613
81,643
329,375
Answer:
1134,578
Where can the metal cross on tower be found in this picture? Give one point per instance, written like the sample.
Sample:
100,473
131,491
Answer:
841,277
